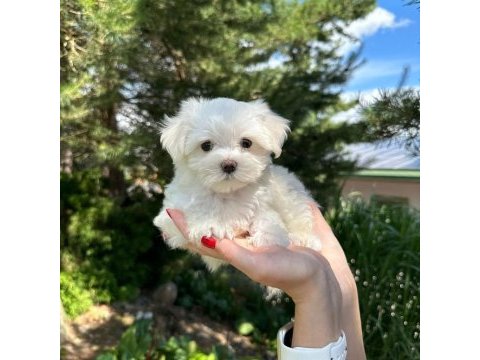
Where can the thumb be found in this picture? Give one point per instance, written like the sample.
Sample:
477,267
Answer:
238,256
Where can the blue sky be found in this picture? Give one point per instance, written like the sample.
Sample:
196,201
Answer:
391,40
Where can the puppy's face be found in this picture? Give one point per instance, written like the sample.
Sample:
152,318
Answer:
224,142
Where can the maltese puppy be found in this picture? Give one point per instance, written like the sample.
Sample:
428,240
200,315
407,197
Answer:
225,182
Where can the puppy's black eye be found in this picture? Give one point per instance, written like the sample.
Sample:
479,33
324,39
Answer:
207,145
246,143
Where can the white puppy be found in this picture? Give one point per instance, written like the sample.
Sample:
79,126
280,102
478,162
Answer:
225,182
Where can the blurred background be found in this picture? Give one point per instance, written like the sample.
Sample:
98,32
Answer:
346,73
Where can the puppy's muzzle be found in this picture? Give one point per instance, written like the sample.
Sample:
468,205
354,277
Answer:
228,166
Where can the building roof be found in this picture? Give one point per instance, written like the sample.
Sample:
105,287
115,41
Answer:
383,154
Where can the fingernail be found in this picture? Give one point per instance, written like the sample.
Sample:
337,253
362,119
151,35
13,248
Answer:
168,213
209,241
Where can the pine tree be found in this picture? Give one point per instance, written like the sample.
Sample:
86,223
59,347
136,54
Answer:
134,61
96,41
394,115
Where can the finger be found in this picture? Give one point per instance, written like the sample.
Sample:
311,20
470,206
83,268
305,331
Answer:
237,255
204,251
179,220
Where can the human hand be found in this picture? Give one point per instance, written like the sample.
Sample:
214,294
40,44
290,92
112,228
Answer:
320,283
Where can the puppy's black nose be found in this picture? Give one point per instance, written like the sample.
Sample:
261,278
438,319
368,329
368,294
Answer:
228,166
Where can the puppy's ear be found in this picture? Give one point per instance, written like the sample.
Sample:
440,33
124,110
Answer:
276,127
175,129
172,134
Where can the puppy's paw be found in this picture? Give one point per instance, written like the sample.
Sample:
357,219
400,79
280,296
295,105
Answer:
197,231
314,243
220,232
176,241
268,230
308,240
268,238
172,236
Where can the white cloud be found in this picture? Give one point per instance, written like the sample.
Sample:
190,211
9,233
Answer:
357,30
375,21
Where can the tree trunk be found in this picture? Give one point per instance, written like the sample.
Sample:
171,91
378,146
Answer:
66,161
116,183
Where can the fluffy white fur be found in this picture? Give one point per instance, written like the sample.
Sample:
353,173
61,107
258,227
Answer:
264,199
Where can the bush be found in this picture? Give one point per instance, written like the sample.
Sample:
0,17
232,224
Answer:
75,298
108,249
382,244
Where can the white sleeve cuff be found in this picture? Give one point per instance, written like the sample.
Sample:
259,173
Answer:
334,351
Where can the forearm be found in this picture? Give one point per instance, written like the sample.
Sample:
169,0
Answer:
352,326
320,318
317,310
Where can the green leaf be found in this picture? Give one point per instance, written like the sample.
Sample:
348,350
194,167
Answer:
108,356
245,328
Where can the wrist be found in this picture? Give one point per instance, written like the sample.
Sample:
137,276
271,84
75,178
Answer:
314,328
317,313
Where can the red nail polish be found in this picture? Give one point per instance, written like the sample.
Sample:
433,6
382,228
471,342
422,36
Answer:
209,242
168,213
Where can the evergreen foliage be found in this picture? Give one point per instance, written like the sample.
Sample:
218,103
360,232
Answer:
395,116
125,64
